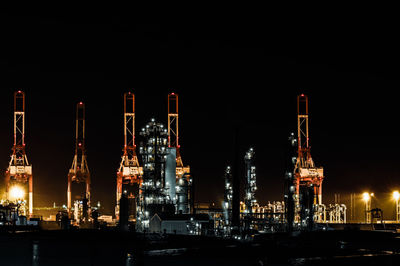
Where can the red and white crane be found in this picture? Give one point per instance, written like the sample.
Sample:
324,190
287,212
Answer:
19,171
173,133
306,173
129,172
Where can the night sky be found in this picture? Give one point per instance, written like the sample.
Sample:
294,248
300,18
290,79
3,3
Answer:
230,72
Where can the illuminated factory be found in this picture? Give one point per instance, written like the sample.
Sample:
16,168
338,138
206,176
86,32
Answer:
159,183
154,189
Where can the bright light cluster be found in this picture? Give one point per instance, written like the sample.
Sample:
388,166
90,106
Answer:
17,193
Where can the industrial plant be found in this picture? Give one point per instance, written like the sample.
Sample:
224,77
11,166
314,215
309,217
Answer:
155,189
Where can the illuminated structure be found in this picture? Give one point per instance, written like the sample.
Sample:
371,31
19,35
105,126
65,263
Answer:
307,177
129,172
336,213
250,187
290,196
19,171
153,197
367,199
183,177
227,203
306,173
396,197
79,172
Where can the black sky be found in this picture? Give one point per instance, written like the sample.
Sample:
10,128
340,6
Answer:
229,72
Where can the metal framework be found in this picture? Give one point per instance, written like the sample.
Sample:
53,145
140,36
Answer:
397,211
129,172
173,142
153,197
368,216
19,170
173,133
251,186
227,204
79,172
306,174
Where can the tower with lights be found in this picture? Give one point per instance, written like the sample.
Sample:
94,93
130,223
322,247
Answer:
19,171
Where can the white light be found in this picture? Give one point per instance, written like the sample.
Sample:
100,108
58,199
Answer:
16,193
366,196
396,195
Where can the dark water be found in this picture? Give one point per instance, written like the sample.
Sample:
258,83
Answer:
117,248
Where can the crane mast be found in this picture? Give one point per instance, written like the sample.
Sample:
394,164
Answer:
19,171
182,172
306,173
129,172
79,171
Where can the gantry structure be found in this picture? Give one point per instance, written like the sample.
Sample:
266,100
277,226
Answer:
173,142
306,174
19,171
129,172
79,172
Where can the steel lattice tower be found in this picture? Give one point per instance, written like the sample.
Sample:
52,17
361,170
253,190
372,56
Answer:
79,172
306,174
19,170
129,172
173,142
173,133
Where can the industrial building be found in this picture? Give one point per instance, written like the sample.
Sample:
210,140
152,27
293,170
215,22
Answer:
158,181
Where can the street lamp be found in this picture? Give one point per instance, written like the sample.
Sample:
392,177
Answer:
396,197
367,198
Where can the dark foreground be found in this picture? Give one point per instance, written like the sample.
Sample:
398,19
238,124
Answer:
94,247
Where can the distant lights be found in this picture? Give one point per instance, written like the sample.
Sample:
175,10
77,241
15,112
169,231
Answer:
80,103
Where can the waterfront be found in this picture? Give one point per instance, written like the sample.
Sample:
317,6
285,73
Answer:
95,247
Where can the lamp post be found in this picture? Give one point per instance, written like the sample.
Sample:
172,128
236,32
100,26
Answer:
367,199
396,197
